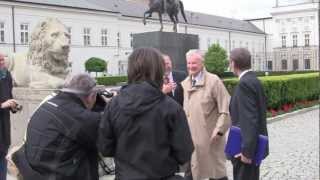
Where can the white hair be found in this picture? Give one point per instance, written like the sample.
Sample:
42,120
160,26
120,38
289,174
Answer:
81,84
199,52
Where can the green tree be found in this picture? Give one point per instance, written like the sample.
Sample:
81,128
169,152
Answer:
216,59
96,65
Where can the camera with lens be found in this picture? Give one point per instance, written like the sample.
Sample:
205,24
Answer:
105,93
103,97
17,108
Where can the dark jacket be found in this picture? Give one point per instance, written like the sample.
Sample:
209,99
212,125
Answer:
248,111
178,77
147,133
5,94
60,142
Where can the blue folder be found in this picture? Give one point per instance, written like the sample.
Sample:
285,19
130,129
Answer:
233,146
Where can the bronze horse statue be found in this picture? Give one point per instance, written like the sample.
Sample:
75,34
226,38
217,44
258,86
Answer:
171,7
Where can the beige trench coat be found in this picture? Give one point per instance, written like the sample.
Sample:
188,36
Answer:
207,108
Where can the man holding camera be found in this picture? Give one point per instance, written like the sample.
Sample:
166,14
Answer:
7,103
61,135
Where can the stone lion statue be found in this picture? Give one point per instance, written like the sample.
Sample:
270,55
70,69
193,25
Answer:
46,63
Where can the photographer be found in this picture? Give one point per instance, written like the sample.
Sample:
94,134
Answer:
61,135
7,103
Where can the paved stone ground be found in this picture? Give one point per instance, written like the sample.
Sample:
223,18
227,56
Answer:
294,149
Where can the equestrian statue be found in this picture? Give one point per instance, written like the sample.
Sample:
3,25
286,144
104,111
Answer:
171,7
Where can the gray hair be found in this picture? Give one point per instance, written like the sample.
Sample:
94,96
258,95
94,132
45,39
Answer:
81,84
199,52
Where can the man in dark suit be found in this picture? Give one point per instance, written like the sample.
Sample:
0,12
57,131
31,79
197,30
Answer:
248,111
172,83
7,103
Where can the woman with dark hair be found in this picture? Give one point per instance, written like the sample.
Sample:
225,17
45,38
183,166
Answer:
142,128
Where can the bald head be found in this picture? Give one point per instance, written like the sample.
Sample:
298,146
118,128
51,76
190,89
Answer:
241,58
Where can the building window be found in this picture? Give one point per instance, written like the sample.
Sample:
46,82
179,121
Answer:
118,39
306,40
284,42
307,64
24,29
247,45
295,40
131,40
69,31
295,64
104,37
86,37
123,66
284,65
218,41
208,43
240,45
1,32
269,64
233,44
226,44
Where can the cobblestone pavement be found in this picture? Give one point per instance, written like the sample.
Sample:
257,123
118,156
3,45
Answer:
294,149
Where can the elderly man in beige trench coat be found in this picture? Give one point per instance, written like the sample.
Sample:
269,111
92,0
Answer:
206,103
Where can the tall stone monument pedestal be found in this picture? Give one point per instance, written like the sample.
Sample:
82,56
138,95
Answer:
174,44
29,99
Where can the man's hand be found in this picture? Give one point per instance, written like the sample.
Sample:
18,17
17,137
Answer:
243,158
10,103
168,87
214,136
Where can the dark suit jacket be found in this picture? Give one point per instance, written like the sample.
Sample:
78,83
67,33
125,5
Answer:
248,111
178,77
5,94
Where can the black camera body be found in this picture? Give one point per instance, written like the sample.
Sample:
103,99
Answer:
17,108
101,103
105,93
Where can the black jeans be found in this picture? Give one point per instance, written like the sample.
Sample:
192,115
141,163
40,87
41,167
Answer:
3,166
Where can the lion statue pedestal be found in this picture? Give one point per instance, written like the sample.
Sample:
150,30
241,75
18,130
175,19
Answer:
30,100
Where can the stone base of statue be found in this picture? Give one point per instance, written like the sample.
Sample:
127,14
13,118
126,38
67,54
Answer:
29,99
176,45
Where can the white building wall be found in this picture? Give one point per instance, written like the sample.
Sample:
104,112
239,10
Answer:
116,55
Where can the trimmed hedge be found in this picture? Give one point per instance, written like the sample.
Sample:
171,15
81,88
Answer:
111,80
285,89
279,90
270,73
95,64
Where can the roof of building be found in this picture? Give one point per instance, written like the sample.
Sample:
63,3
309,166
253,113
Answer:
133,9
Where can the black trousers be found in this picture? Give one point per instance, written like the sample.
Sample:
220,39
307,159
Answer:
242,171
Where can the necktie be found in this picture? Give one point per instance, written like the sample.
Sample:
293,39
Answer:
193,82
